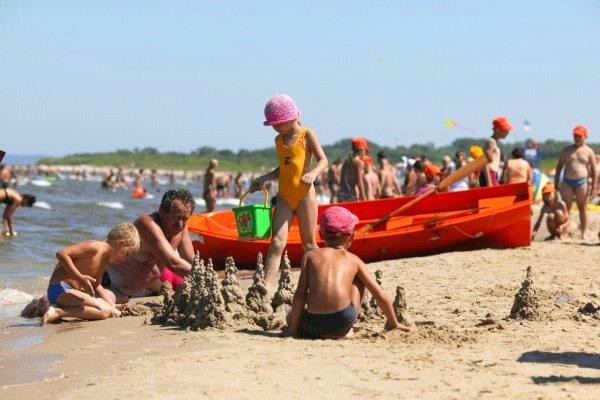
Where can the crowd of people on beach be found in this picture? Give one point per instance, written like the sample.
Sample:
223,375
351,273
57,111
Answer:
93,279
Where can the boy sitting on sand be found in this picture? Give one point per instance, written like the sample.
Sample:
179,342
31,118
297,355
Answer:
332,283
74,289
558,216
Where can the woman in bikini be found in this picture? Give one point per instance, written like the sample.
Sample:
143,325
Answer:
12,199
295,146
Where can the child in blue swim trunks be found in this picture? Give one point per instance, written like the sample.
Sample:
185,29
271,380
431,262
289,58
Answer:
74,289
332,284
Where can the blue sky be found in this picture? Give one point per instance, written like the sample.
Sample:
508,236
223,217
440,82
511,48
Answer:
81,76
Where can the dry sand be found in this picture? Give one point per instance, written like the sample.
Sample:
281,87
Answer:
462,347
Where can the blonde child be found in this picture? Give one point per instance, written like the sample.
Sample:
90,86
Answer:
74,289
296,145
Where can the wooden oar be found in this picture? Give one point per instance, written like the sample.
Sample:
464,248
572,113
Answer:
449,180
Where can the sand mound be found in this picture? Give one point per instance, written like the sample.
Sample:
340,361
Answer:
527,302
136,310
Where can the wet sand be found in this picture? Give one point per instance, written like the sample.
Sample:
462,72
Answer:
462,347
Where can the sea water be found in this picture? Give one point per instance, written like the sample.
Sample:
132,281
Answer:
72,211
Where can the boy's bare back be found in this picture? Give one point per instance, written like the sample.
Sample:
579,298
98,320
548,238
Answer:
330,274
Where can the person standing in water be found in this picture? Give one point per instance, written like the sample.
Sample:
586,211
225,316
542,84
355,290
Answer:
491,173
579,162
210,185
352,185
295,146
12,199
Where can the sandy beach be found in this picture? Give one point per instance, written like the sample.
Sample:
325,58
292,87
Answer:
462,346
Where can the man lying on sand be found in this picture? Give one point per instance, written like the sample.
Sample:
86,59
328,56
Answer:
332,284
165,242
558,214
74,289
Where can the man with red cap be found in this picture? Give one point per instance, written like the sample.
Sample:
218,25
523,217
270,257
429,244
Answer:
352,185
491,173
579,162
332,284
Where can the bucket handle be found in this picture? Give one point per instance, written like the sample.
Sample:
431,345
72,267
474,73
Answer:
265,192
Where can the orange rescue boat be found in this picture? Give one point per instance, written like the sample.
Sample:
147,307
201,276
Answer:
498,217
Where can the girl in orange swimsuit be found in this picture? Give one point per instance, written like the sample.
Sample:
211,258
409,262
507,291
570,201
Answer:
295,146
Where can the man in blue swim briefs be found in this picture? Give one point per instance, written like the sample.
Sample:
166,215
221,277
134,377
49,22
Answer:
579,162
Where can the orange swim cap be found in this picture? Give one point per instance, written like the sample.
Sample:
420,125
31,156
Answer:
548,189
476,151
360,142
432,170
581,131
502,123
368,160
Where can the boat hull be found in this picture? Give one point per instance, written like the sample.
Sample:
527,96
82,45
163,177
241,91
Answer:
498,217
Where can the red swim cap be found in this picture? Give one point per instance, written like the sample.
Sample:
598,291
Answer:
502,123
360,142
432,170
581,131
337,221
367,160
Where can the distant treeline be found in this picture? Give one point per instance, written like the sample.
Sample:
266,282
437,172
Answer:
264,159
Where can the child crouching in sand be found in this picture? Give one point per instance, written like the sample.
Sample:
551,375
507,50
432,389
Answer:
332,284
74,289
558,218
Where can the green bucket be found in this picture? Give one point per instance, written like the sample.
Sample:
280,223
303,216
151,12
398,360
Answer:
253,221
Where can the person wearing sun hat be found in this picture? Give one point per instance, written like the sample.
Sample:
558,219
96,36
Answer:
296,146
491,173
352,184
557,220
332,283
579,163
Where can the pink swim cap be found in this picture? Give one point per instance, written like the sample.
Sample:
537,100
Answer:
337,221
281,108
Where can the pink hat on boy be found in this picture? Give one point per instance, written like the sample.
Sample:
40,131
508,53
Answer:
281,108
337,221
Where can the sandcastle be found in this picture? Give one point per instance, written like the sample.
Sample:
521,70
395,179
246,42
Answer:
400,307
373,303
257,299
285,288
201,302
232,291
197,304
282,300
527,302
